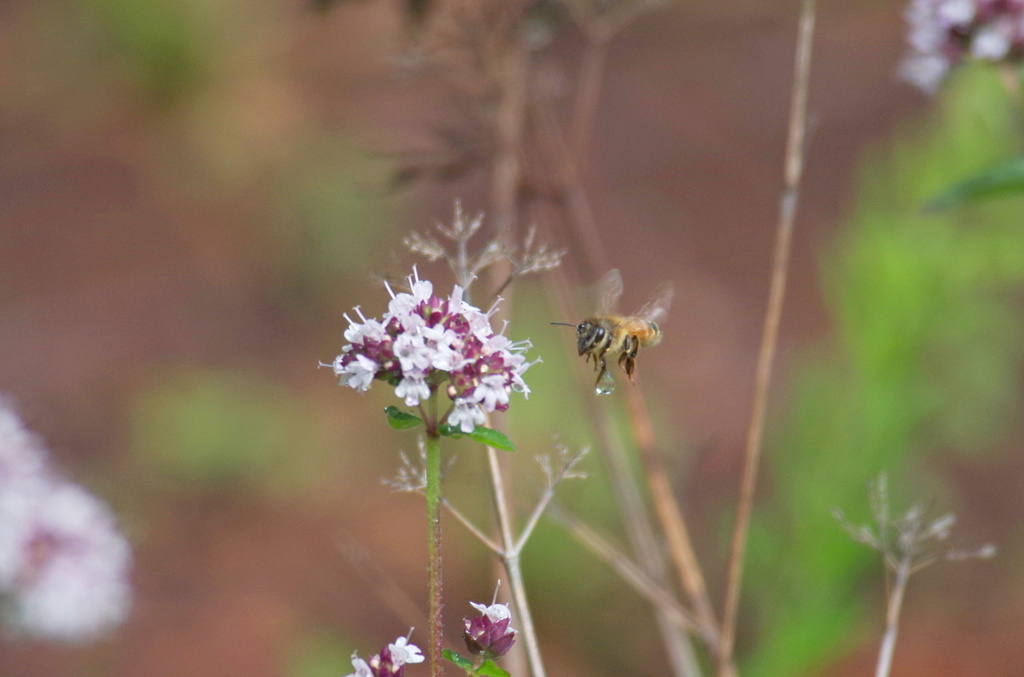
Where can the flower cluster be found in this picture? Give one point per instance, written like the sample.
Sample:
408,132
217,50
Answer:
63,564
488,635
945,32
390,662
425,341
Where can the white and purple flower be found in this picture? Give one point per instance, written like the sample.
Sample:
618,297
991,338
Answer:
426,343
390,662
489,635
943,33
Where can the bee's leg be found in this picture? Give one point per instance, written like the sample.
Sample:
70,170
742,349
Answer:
603,369
629,366
627,359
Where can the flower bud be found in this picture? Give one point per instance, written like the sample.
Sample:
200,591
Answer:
489,635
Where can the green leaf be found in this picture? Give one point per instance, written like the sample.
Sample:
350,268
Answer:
1006,178
488,436
460,661
491,669
400,420
449,431
493,438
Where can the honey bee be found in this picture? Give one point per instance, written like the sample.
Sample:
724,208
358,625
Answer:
607,335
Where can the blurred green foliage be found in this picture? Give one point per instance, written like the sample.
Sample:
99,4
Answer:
222,428
927,358
159,44
320,655
333,215
1006,178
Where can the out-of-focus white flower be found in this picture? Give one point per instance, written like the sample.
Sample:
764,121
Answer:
425,342
72,583
925,71
942,33
63,565
992,42
21,453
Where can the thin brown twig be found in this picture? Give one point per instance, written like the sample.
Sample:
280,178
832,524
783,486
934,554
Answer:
769,341
587,95
627,569
599,28
472,528
506,179
387,589
547,496
673,524
578,215
892,617
510,559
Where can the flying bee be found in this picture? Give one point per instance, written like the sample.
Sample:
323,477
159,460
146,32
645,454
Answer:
607,335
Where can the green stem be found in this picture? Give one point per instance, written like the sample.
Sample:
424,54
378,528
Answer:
433,493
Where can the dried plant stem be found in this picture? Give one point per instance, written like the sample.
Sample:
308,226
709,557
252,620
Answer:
579,216
507,170
587,95
386,588
673,524
628,570
510,558
769,339
472,528
892,615
599,28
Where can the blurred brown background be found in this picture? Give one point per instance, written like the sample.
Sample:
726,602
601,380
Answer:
192,193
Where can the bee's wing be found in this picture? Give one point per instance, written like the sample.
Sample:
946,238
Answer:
657,307
608,290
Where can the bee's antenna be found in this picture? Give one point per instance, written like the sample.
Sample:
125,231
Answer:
565,324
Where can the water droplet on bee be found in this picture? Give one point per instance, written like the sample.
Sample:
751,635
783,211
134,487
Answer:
606,385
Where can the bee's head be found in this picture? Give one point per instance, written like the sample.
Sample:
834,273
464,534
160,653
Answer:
588,335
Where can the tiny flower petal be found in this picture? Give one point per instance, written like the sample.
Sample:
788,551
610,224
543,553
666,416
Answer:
466,415
359,373
362,669
492,391
412,390
402,652
495,612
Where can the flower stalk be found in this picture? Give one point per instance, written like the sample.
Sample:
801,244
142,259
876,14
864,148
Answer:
425,346
433,495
